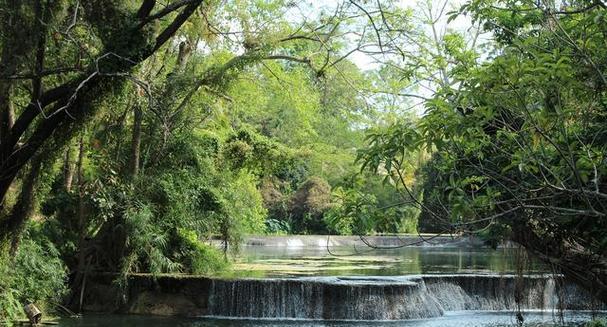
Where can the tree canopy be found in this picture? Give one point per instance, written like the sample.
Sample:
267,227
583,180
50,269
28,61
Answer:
134,132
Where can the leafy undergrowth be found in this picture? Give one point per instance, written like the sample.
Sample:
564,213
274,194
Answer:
596,323
35,275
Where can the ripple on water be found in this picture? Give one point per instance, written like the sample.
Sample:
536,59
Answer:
349,261
461,319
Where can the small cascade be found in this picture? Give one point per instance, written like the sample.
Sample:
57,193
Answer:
383,298
492,292
323,298
551,299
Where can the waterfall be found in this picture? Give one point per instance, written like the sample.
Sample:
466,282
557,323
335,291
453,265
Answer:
493,292
550,295
323,298
383,298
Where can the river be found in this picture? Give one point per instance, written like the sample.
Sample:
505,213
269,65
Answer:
454,319
449,286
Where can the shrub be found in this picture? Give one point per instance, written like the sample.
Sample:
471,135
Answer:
354,213
278,227
40,273
201,258
244,203
309,203
596,323
36,274
398,219
9,296
274,198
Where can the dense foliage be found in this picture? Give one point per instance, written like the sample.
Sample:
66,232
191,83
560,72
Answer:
517,136
136,137
36,275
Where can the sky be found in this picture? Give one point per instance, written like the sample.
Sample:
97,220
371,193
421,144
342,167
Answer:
310,10
363,61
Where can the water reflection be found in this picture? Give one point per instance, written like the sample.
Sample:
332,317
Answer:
472,319
346,261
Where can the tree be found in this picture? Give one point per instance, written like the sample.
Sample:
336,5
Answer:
518,140
98,47
308,205
126,38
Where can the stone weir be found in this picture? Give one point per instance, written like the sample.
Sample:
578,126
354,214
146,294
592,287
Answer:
344,298
324,298
322,241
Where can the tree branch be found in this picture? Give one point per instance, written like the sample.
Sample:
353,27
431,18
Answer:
177,22
146,8
165,11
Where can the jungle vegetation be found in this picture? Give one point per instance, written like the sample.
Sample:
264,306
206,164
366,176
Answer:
133,131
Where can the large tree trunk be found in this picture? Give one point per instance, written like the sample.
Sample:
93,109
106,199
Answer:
9,60
7,112
82,222
185,50
14,50
81,213
72,103
68,168
24,207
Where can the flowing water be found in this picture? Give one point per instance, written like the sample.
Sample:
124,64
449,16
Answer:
303,286
389,298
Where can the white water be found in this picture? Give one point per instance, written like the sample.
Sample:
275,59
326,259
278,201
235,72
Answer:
386,298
